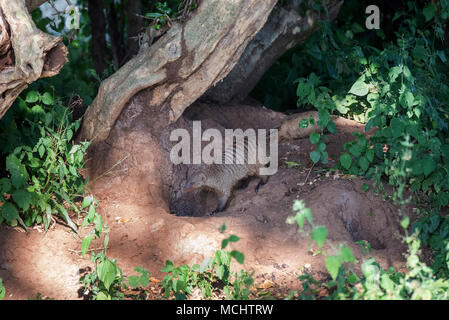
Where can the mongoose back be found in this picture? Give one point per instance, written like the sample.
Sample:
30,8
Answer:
222,178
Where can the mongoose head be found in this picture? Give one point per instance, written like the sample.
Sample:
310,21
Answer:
195,182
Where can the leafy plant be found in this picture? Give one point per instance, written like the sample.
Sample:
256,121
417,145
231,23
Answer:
106,281
319,236
42,175
394,80
2,290
418,282
213,273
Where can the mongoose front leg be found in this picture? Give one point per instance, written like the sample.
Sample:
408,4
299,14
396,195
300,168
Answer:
263,180
222,201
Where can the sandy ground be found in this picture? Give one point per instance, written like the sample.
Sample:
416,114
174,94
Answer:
144,233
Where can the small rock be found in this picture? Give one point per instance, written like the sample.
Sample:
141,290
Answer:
261,218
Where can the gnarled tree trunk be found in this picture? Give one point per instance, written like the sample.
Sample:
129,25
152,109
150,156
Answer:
193,57
26,53
284,29
180,67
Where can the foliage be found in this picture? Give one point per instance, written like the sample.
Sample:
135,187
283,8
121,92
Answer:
166,11
395,80
212,274
418,282
77,77
42,164
2,290
106,281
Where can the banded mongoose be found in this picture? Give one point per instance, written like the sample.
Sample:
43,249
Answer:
222,178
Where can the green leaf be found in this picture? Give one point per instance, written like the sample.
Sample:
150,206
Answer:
370,155
37,110
224,243
363,163
233,238
91,214
85,244
41,150
346,254
32,97
394,73
324,117
87,201
315,156
168,266
333,264
319,235
442,56
144,279
429,12
428,165
346,160
387,283
332,127
19,174
353,278
103,296
107,272
9,212
22,198
314,137
65,216
220,271
405,222
47,99
301,215
240,257
407,99
359,88
420,53
324,157
2,290
106,241
134,281
69,135
321,146
365,187
355,150
5,185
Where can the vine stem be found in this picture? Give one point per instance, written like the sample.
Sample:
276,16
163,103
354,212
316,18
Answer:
310,170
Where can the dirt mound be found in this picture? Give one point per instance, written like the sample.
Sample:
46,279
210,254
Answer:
131,191
136,183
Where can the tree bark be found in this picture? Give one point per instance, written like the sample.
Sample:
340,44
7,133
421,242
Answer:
34,4
284,29
181,65
27,53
